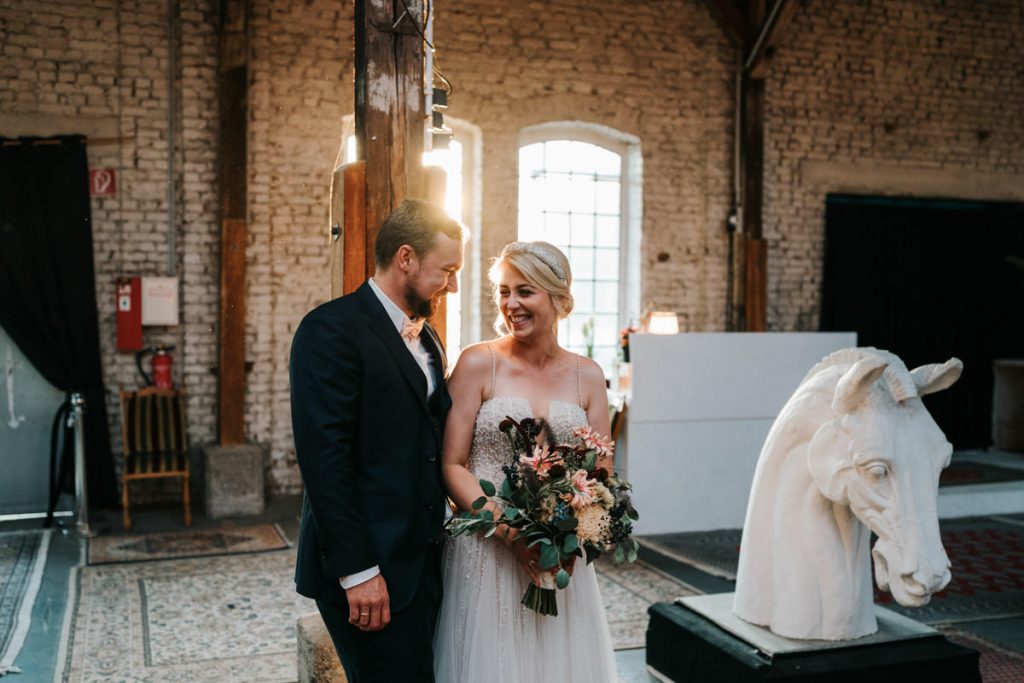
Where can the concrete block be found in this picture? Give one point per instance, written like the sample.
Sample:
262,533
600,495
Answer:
318,661
233,480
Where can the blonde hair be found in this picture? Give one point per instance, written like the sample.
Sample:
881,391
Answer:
544,266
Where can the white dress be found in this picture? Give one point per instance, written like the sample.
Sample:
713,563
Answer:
483,632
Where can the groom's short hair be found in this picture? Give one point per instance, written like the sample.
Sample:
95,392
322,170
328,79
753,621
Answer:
417,223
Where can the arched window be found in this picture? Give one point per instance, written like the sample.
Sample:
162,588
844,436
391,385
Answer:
579,190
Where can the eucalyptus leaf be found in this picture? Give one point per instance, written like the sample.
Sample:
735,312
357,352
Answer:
505,491
631,555
512,513
488,487
620,555
548,557
590,460
543,540
570,544
479,502
562,578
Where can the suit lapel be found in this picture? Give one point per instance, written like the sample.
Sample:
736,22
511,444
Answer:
382,326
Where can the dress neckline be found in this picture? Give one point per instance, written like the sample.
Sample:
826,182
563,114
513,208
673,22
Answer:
523,399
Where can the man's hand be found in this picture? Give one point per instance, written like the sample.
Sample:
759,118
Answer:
369,607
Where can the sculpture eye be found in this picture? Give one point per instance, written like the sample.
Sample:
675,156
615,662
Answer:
878,471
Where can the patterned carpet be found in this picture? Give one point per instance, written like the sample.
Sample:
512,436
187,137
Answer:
232,618
22,557
228,618
181,544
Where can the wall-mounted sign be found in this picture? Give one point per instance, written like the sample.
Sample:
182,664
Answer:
102,182
159,301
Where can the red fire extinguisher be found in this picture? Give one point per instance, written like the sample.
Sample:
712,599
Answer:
162,366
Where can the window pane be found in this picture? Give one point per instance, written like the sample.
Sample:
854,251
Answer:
606,264
607,197
605,328
531,225
556,229
559,155
583,295
608,229
605,161
582,229
582,263
555,192
531,159
606,297
582,199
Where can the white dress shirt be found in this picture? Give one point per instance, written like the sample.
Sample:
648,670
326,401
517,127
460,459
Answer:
426,362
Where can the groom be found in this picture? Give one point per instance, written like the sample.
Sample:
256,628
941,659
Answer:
368,407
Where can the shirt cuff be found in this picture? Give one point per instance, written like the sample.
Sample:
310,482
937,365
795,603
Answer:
353,580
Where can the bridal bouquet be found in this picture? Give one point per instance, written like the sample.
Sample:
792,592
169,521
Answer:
557,498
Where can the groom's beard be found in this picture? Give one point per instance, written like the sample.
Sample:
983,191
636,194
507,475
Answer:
421,308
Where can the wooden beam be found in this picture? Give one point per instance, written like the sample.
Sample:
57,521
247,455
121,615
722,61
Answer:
390,117
752,132
354,227
730,20
781,16
233,73
756,309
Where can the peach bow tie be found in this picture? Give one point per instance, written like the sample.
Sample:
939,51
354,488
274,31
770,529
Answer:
411,329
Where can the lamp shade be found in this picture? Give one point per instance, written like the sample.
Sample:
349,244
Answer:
663,322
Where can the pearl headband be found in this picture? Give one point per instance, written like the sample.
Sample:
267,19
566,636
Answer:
540,252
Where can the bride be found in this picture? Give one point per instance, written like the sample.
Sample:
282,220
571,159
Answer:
483,632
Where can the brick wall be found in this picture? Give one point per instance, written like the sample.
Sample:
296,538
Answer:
932,93
102,69
929,87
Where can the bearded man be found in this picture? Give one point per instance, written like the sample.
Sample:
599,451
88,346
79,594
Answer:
369,404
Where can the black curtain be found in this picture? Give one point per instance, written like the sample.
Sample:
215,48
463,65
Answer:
930,279
47,285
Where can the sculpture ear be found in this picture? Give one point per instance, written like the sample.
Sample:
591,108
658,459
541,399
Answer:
856,384
936,377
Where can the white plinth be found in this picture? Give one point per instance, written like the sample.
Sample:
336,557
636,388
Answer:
701,407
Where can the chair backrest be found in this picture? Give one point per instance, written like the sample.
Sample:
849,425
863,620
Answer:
153,430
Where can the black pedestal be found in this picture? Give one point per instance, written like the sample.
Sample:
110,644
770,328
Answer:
687,647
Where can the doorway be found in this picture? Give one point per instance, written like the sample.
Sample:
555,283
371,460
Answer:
929,279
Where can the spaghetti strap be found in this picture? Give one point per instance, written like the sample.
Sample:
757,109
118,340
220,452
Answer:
494,370
579,390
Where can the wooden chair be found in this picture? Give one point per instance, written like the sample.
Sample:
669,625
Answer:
154,441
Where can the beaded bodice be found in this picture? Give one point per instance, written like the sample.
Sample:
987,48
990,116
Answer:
490,449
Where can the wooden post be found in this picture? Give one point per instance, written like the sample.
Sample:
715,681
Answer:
755,32
390,119
233,71
752,173
755,278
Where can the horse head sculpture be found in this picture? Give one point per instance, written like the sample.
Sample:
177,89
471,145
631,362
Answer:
853,451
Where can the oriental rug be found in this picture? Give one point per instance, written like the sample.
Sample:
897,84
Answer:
228,618
627,591
182,544
22,560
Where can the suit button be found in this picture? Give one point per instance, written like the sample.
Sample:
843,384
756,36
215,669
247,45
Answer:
431,458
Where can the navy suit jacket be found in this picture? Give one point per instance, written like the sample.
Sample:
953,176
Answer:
368,444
